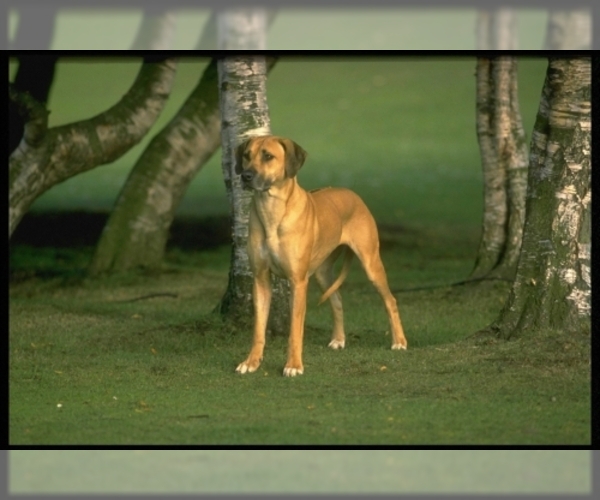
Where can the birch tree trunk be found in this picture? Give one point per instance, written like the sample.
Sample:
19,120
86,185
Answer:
157,29
504,160
137,230
242,84
208,38
496,29
552,288
244,29
46,157
569,30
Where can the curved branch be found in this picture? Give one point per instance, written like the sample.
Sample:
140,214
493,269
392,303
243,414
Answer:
137,230
77,147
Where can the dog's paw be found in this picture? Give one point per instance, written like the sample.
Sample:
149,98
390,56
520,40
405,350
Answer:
247,367
292,372
399,346
337,344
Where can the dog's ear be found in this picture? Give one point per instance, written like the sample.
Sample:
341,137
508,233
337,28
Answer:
239,151
294,157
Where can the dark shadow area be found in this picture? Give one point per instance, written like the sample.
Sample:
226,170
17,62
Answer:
83,229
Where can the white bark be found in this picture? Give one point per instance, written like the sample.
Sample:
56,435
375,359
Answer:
157,30
242,29
496,29
208,38
243,78
569,30
244,113
553,287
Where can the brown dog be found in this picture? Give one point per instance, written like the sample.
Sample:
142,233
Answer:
294,233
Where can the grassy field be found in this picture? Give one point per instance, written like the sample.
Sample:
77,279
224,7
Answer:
92,364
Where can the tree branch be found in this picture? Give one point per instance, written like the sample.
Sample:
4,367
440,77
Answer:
34,113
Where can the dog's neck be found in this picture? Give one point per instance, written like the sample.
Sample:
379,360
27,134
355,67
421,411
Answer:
271,205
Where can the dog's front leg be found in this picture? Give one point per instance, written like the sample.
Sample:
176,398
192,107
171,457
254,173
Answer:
294,365
261,297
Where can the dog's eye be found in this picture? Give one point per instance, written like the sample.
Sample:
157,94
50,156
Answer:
246,156
267,156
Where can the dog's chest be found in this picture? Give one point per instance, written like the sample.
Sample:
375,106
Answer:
273,252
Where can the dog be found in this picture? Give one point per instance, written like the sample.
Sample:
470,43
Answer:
294,233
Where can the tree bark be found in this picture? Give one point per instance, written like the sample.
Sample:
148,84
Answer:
512,154
569,30
137,230
46,157
245,114
244,29
496,29
208,38
552,288
504,160
157,29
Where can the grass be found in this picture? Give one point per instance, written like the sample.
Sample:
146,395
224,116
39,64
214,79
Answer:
160,370
100,362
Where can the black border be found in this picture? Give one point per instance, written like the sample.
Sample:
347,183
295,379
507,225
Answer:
174,4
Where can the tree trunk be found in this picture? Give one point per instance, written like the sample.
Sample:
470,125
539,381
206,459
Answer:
245,114
208,38
157,30
504,159
496,29
552,288
569,30
138,227
46,157
244,29
137,230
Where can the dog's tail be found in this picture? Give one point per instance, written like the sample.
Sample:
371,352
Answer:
343,273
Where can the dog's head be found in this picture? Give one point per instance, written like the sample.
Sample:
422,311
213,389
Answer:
267,160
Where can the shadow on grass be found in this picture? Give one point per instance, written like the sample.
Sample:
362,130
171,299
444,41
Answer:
60,244
81,229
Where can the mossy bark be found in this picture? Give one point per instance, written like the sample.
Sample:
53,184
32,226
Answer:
137,231
552,288
46,157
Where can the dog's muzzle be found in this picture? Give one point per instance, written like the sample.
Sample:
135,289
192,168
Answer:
253,182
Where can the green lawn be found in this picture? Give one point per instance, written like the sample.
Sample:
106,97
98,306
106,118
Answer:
90,366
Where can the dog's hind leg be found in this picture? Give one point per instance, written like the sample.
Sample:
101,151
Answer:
324,275
373,266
